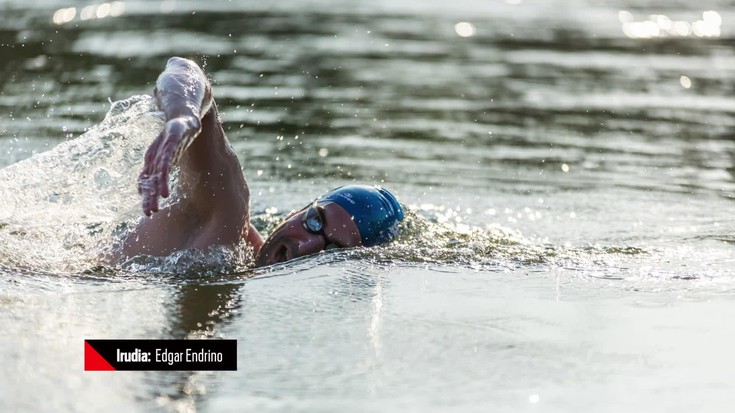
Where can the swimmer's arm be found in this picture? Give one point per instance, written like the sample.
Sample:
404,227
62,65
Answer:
184,94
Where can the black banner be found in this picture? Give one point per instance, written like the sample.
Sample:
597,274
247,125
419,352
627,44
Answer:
110,355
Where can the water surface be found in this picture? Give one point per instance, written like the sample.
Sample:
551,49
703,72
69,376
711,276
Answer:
569,166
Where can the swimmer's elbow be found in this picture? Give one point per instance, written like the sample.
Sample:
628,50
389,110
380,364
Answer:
183,89
175,60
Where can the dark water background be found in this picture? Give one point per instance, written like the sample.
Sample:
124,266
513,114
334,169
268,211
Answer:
572,164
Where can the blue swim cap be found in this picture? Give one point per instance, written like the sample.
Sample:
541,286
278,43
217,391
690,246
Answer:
375,211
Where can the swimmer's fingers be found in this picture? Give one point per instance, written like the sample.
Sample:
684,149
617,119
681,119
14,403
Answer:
167,155
163,188
149,177
163,170
165,150
147,186
144,181
179,133
149,165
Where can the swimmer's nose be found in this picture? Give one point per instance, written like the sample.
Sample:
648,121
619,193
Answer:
310,245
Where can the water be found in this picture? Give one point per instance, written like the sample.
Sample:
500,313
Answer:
569,170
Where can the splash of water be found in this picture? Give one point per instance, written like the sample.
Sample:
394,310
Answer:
61,207
61,210
426,238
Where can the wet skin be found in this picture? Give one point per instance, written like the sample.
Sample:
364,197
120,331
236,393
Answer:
214,206
291,239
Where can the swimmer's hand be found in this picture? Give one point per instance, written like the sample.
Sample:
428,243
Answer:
184,95
164,152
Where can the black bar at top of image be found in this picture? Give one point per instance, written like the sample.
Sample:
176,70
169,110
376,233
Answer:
191,355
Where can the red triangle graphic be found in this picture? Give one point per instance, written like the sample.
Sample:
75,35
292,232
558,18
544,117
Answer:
93,361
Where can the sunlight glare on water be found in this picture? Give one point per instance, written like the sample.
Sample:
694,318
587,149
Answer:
465,29
662,26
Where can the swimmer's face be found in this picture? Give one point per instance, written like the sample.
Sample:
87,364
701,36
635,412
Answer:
315,228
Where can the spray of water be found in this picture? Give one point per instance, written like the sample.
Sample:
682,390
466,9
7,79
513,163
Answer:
60,208
61,211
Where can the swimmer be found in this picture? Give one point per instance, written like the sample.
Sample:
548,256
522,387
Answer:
213,205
